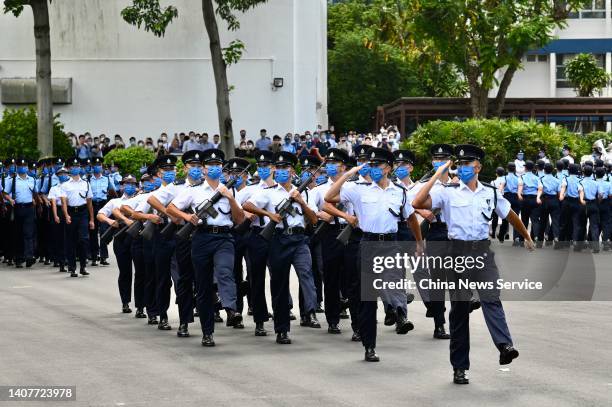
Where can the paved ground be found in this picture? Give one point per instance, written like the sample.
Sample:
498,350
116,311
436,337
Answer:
63,331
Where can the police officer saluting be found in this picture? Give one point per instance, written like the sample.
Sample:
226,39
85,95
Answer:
468,207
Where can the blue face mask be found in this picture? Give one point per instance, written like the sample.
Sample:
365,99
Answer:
22,170
214,172
281,176
97,169
129,190
63,178
304,176
402,172
465,173
263,172
376,174
82,171
106,172
74,171
12,169
88,170
32,173
148,186
520,156
169,176
238,181
437,165
365,171
157,182
331,169
321,179
195,173
45,171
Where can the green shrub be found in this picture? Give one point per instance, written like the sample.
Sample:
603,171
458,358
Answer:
18,135
129,160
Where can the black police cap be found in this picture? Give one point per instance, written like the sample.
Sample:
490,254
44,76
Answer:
441,150
406,156
59,161
380,155
337,154
192,156
310,161
165,161
236,165
213,155
285,158
22,162
98,161
264,156
362,150
128,179
468,152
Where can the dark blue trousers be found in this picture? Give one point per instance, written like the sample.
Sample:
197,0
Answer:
257,248
530,211
605,219
122,247
24,224
58,232
164,250
144,255
77,237
212,255
183,284
572,215
516,206
97,249
551,208
333,269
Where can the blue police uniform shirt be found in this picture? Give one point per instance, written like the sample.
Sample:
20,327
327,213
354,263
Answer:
551,185
512,182
43,184
25,188
100,187
116,177
530,182
560,176
590,188
571,183
54,180
604,188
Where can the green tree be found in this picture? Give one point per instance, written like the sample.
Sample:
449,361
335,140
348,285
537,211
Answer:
586,76
18,135
42,40
149,13
482,39
130,160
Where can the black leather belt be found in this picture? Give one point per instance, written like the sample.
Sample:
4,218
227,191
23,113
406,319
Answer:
296,230
571,198
23,205
215,230
77,209
470,245
380,236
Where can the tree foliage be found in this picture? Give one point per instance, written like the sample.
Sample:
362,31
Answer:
18,135
586,76
130,160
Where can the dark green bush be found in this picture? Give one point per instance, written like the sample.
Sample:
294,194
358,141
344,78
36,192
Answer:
129,160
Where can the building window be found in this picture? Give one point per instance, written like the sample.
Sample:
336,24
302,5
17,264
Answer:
536,58
593,9
563,59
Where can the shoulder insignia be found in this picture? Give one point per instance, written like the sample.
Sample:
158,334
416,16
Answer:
452,184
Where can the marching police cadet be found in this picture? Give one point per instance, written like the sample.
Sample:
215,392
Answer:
588,190
78,212
378,223
511,194
257,246
20,192
604,191
212,246
101,188
571,214
45,221
548,199
500,183
9,214
4,219
289,244
58,228
122,248
468,206
528,188
159,200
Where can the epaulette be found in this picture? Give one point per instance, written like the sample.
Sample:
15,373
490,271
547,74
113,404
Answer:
363,183
271,186
452,184
180,181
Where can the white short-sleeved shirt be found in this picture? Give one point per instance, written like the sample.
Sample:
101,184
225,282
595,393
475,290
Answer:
56,193
373,205
194,196
166,194
319,198
107,210
245,194
268,199
465,210
76,192
137,201
417,186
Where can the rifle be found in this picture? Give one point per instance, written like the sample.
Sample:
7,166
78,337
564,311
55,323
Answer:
206,209
134,229
324,225
345,235
285,208
168,231
243,228
110,233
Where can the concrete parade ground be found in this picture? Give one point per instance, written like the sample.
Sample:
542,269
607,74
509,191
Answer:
67,331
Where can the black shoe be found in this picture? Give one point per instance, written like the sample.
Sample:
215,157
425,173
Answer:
239,325
218,318
94,263
403,326
19,265
507,353
140,313
539,244
183,331
548,243
30,262
460,377
474,305
282,338
313,322
103,262
208,341
440,333
371,356
319,309
516,243
126,309
409,298
249,311
62,269
259,329
291,316
344,314
152,321
233,318
501,238
83,271
163,325
333,329
356,336
73,273
390,317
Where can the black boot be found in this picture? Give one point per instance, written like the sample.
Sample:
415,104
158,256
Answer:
233,318
260,330
390,317
507,354
126,309
152,321
334,329
164,325
356,336
183,331
140,313
402,325
440,333
208,341
460,377
370,355
282,338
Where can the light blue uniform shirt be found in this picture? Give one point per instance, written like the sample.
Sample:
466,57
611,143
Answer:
24,189
590,188
560,175
531,183
512,182
572,182
604,188
551,185
100,187
116,178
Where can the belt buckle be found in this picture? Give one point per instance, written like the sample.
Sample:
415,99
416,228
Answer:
215,230
289,231
381,237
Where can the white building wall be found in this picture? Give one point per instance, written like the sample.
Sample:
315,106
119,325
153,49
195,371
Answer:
130,82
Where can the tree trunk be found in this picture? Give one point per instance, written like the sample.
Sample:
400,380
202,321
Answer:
44,97
479,98
500,99
220,72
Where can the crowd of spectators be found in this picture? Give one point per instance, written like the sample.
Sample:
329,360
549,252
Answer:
313,143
